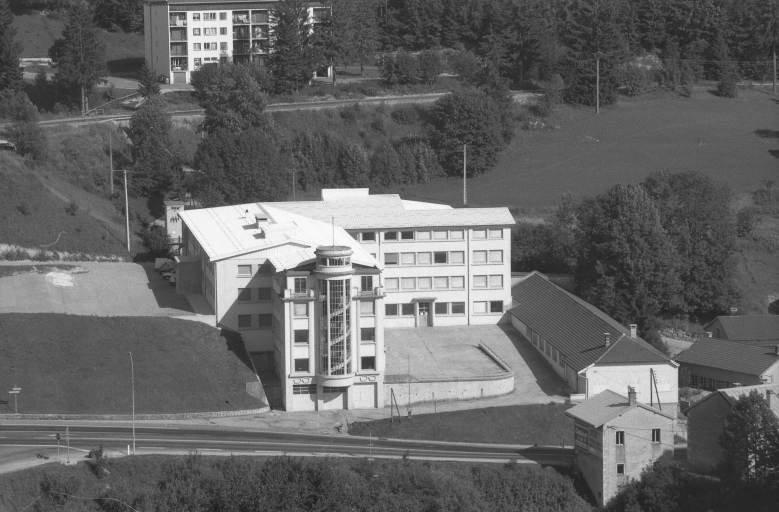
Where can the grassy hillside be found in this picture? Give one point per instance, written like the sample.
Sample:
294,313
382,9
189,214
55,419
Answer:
757,267
729,139
79,364
36,33
36,218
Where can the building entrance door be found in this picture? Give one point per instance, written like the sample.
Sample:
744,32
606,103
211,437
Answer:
424,314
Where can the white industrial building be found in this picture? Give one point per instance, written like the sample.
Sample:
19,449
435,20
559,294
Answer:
311,284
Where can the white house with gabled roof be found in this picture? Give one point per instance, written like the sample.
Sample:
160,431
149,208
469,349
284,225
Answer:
310,285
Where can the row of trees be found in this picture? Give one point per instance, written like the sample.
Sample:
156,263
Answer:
196,484
531,39
661,248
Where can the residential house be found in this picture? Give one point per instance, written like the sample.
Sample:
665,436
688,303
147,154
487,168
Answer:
752,329
616,438
713,364
589,349
706,420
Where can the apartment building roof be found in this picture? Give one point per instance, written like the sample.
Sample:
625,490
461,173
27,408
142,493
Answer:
577,328
730,356
747,328
357,209
286,238
605,407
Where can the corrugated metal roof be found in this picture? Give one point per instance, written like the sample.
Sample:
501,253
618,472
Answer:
730,356
575,327
606,406
758,328
386,211
286,238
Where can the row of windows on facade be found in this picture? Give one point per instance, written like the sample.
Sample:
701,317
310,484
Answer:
441,258
301,365
239,17
299,309
439,234
310,389
367,335
547,348
708,383
583,438
494,281
445,308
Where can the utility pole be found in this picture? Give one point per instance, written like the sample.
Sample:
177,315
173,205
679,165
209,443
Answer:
773,87
465,176
67,442
597,83
126,210
111,159
293,183
408,360
132,394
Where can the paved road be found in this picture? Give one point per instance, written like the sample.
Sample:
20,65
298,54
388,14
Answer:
219,440
519,97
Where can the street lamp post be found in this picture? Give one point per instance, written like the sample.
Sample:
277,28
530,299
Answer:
132,394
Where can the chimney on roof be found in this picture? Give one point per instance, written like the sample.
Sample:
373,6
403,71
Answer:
633,330
631,395
606,339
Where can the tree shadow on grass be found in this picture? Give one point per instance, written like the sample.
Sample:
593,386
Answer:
767,134
125,68
774,153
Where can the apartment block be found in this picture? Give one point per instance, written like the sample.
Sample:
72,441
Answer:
311,285
180,36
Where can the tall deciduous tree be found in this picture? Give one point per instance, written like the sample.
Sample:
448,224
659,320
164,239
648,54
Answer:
750,441
149,132
239,167
695,213
626,264
231,97
294,59
473,118
10,72
79,55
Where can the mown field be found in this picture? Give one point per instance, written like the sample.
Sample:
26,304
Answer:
733,140
517,424
79,365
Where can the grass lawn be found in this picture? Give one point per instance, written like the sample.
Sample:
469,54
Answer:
79,364
37,33
725,138
757,267
518,424
34,217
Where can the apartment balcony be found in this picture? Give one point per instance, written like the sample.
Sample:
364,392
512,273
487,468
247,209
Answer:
259,17
178,21
375,293
177,34
240,32
240,18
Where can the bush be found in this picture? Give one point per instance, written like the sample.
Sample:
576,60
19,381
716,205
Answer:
430,66
467,66
405,115
746,220
636,80
71,208
23,208
726,87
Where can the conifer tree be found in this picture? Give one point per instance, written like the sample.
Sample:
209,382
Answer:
10,72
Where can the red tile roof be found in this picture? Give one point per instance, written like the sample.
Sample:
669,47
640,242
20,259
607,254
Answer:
575,327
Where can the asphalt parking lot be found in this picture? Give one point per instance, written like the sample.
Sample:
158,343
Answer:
89,288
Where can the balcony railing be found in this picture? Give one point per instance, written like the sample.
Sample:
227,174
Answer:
178,22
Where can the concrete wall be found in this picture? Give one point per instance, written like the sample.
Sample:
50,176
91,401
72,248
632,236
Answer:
449,240
618,377
443,390
156,37
639,451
